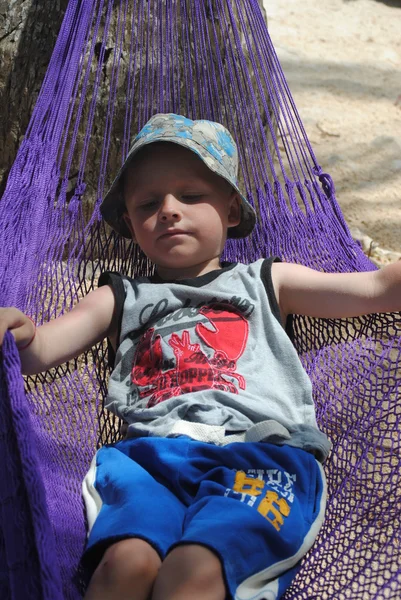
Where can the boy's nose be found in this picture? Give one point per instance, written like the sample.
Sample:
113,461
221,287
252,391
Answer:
170,209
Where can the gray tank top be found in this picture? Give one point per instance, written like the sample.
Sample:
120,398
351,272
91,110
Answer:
209,350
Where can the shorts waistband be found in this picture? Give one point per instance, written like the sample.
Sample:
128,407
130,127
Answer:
268,431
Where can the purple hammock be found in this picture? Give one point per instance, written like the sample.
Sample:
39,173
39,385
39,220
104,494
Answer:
207,59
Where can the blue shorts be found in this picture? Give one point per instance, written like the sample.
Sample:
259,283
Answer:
257,506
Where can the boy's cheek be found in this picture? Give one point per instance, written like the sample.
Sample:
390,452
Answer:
128,222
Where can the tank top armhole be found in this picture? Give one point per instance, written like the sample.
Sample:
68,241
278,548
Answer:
115,281
266,276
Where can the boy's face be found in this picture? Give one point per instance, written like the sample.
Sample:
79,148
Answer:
178,210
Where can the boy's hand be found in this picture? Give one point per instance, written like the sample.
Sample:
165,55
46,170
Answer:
21,326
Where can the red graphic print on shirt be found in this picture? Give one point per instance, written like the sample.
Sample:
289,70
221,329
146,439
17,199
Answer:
196,367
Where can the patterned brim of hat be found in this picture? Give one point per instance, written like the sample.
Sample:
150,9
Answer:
211,141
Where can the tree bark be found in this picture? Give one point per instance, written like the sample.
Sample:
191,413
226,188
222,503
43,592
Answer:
28,32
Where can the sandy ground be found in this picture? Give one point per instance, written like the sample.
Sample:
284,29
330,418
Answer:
342,59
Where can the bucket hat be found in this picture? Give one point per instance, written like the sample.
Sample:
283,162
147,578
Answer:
211,141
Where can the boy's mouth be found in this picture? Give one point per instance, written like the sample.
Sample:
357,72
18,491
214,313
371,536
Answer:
172,233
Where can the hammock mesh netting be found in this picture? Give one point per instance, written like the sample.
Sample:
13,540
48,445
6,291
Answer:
115,64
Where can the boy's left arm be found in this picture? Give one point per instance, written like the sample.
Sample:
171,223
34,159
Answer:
303,291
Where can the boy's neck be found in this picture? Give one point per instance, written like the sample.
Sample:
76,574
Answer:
171,274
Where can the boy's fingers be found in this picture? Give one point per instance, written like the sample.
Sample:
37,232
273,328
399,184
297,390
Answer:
3,330
20,334
24,334
20,326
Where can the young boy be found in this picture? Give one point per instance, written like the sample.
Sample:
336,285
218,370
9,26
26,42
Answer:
217,491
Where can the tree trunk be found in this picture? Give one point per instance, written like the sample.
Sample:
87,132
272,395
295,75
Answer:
28,32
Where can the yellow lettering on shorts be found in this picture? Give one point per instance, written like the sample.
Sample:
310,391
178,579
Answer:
275,505
248,485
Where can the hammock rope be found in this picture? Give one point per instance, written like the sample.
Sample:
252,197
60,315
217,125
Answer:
115,63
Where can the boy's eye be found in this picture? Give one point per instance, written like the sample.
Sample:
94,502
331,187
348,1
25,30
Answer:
151,204
192,197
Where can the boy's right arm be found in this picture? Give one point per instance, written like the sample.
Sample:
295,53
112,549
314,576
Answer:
61,339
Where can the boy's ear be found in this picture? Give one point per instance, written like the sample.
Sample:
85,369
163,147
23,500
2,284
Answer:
234,213
129,225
